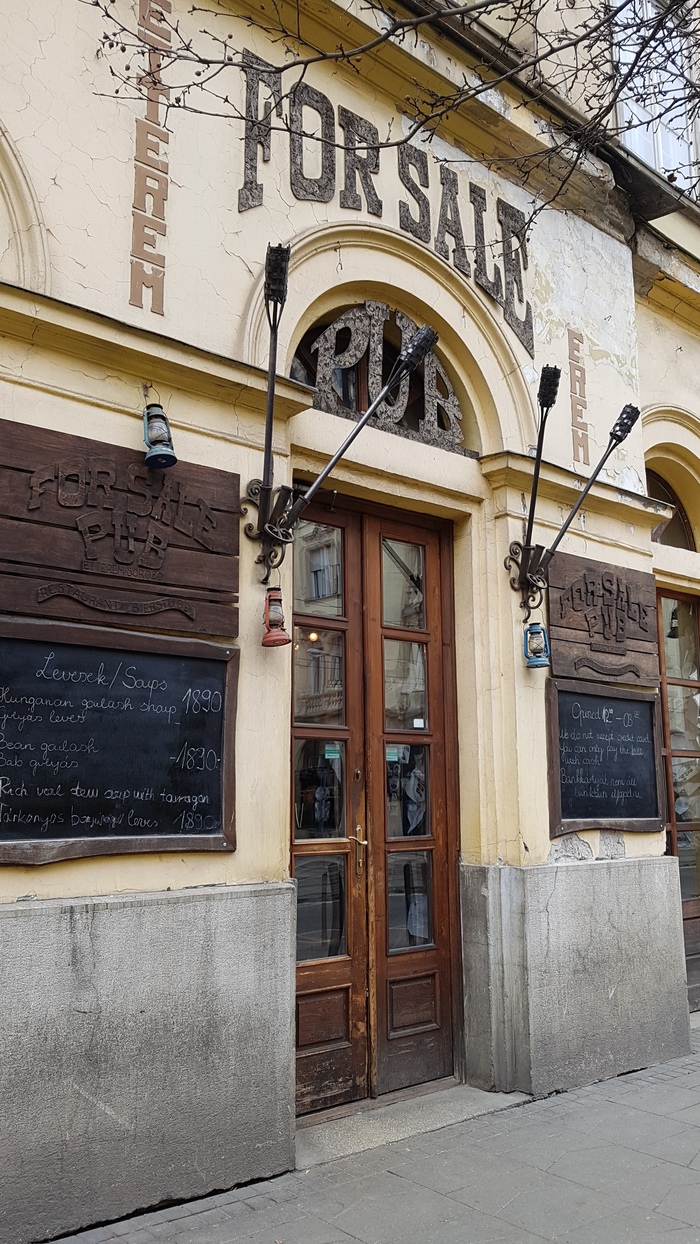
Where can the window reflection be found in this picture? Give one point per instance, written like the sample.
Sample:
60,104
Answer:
318,570
680,631
689,864
686,788
407,808
405,693
321,924
402,584
410,899
318,676
678,532
684,718
319,789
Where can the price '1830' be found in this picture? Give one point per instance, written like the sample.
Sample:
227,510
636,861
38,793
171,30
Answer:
196,759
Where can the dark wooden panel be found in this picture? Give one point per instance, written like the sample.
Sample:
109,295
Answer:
692,965
602,621
14,491
322,1018
123,606
691,933
59,549
124,538
326,1078
413,1004
101,583
25,448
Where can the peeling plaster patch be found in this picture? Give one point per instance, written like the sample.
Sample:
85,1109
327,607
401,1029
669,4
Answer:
569,850
612,845
628,478
427,53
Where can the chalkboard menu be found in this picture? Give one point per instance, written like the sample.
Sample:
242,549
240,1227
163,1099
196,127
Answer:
606,766
100,742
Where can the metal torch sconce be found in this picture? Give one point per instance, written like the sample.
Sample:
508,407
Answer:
278,512
260,491
531,562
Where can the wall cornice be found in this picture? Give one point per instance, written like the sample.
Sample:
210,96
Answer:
48,324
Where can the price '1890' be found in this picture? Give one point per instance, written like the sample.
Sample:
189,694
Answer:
196,759
201,700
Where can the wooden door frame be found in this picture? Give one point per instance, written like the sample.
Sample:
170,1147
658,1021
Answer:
333,970
445,528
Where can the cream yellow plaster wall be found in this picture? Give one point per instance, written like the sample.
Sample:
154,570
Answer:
77,148
76,141
44,387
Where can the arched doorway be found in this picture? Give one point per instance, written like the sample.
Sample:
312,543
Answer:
374,825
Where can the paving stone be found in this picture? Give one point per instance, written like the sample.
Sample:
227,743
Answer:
623,1125
681,1148
682,1203
636,1177
306,1230
399,1208
449,1172
539,1144
627,1227
470,1228
557,1206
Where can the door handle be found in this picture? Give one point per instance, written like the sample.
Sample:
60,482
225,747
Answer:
360,844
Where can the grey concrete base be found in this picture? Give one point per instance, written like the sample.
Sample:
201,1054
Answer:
399,1120
573,972
147,1052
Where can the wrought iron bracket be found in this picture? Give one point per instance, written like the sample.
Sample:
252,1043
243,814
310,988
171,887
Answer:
530,580
273,541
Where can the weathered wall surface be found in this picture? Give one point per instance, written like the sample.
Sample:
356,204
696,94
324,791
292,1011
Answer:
573,972
221,211
147,1052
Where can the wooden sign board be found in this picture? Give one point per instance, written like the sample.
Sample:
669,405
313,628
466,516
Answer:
90,534
604,759
602,622
117,742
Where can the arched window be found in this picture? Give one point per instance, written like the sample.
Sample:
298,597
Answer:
347,358
678,533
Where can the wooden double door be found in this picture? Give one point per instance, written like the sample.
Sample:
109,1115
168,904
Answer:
373,793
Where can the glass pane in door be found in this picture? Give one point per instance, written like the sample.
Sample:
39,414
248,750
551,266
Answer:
407,802
319,676
318,570
409,910
680,631
403,577
405,688
686,788
684,718
321,922
689,863
319,788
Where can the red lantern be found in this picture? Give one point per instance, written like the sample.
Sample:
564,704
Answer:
275,635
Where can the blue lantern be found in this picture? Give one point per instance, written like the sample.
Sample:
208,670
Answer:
535,646
156,434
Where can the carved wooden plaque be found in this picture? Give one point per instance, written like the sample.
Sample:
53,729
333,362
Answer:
602,622
90,534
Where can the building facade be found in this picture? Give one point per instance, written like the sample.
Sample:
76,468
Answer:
242,882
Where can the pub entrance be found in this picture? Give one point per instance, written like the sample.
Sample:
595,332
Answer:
374,836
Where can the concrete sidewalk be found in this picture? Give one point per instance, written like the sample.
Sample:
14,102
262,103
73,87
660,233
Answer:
616,1162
